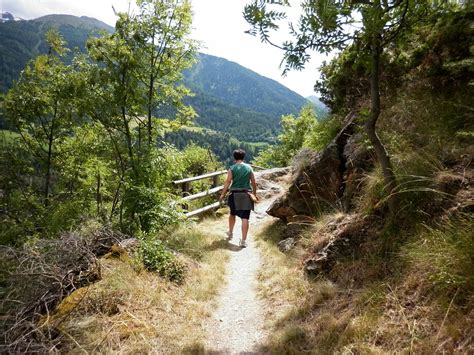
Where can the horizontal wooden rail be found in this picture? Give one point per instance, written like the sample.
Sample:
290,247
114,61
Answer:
185,183
257,167
200,177
201,210
185,186
203,194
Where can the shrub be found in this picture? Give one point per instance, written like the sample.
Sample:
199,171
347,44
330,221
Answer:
156,257
323,132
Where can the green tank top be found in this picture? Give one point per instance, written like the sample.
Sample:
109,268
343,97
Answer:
241,177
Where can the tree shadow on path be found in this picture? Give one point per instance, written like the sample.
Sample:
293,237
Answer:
223,244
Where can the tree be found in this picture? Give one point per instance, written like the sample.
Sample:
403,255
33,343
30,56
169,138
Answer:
39,107
136,71
292,138
326,25
162,28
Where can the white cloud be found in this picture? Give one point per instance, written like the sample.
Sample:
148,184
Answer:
219,24
29,9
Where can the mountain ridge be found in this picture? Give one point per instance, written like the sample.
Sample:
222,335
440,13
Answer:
86,22
251,95
228,97
321,109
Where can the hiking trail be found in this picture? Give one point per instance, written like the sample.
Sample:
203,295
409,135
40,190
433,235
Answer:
237,325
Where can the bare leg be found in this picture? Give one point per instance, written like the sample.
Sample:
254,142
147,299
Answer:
231,223
245,228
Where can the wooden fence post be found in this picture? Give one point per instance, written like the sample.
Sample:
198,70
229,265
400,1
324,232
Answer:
185,192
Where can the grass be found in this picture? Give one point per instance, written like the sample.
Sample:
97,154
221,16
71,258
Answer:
134,311
422,302
444,256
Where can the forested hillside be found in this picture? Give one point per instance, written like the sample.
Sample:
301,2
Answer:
24,40
220,144
227,97
241,87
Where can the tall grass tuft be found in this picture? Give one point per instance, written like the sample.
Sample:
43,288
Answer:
446,256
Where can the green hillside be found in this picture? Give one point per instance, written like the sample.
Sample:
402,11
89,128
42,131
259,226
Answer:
244,124
24,40
242,87
228,97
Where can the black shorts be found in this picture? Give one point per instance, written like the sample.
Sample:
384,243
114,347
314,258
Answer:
244,214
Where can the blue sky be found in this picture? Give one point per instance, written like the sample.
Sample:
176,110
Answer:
218,24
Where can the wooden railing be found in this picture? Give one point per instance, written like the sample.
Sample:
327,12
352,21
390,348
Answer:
185,184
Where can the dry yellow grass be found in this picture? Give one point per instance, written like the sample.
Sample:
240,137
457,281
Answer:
379,313
133,311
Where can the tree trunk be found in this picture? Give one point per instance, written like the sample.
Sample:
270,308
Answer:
370,125
49,159
98,195
151,88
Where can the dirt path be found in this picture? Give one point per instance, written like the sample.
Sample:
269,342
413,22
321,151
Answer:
237,324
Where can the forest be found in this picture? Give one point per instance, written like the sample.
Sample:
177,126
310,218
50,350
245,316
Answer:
95,139
221,145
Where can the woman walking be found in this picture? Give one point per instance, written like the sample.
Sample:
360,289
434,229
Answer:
242,184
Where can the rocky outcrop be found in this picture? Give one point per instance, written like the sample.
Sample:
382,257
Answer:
339,238
328,179
266,181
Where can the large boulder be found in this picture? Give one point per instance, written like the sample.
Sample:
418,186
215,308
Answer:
329,178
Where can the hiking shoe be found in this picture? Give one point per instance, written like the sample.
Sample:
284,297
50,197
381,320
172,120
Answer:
229,235
243,243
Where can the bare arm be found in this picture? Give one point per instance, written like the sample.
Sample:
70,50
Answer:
254,184
227,183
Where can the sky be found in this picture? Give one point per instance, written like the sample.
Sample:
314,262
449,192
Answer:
217,24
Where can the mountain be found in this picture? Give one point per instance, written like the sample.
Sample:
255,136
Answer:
321,109
24,40
84,22
229,98
6,16
242,87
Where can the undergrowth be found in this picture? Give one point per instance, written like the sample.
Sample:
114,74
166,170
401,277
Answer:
416,301
157,257
150,299
445,256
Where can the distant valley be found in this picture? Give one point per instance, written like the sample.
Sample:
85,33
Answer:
235,103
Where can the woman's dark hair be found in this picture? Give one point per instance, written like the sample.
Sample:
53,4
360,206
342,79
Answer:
239,154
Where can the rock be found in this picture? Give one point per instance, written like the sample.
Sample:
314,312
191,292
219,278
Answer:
266,185
272,174
330,178
286,244
130,245
345,234
267,188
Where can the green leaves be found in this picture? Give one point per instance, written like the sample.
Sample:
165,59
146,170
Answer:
294,133
88,132
156,257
